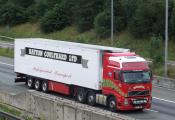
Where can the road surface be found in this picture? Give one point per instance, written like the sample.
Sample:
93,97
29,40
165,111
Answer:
163,107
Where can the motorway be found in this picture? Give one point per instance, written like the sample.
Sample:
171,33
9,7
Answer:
163,107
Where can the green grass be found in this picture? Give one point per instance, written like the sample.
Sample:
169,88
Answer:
6,52
14,111
7,109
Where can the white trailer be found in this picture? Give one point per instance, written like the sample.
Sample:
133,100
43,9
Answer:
59,61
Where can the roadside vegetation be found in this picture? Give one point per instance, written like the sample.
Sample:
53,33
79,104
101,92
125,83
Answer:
6,52
15,111
7,109
138,24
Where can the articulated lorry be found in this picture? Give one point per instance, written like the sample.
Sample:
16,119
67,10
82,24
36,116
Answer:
114,77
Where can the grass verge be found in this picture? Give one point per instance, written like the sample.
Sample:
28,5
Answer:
12,111
6,52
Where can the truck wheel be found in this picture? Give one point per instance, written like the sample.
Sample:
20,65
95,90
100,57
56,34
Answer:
91,98
81,95
30,83
44,86
112,104
37,85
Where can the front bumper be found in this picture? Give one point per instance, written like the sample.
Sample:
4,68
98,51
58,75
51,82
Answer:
135,104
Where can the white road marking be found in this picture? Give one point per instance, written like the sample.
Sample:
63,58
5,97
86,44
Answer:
164,88
152,110
7,64
164,100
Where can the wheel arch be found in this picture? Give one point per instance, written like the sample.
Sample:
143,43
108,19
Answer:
108,97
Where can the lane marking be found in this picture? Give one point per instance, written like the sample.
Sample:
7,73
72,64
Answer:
152,110
164,100
7,64
164,88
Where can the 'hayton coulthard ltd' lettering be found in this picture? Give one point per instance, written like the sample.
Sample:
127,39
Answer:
57,56
53,55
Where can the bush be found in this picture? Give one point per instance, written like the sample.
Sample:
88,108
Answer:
55,19
2,2
148,19
37,10
85,13
10,14
156,51
102,24
23,3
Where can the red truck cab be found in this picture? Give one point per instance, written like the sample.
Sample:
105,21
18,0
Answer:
127,78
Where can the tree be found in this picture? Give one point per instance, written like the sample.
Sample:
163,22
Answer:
171,19
10,14
149,18
102,24
156,51
129,7
37,10
55,19
23,3
2,2
85,13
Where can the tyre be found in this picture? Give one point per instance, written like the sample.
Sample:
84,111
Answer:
81,95
112,104
91,98
44,86
30,83
37,85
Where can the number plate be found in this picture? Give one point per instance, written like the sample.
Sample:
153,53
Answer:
138,107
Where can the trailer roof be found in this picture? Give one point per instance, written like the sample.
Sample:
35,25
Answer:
74,44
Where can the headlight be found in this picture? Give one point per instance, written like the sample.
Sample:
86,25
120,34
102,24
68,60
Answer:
126,102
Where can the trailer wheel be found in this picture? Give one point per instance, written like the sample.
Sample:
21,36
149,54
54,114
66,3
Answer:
112,104
81,95
91,98
37,85
30,83
44,86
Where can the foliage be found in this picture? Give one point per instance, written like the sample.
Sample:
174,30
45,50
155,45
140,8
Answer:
148,19
120,19
23,3
156,51
143,18
5,108
6,52
102,24
172,20
2,2
37,10
85,12
10,14
55,19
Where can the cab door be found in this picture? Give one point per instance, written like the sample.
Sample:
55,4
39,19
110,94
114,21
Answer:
110,81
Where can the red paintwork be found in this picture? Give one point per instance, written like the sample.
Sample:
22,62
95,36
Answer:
110,67
135,66
59,87
120,54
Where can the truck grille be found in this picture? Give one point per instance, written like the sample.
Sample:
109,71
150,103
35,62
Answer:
138,93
